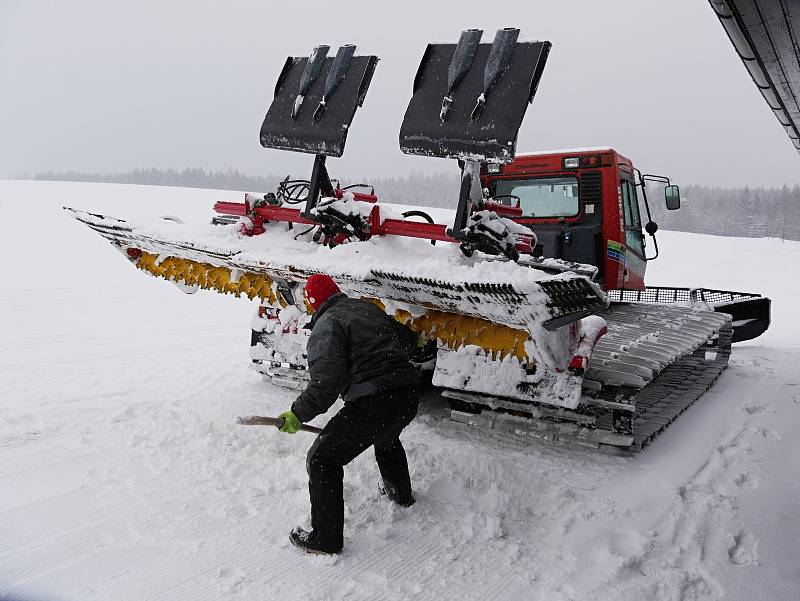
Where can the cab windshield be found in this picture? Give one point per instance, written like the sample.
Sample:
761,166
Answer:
541,197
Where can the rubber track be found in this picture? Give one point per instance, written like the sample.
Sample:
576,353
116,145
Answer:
677,387
685,349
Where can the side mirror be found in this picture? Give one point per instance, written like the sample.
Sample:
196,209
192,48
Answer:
651,228
672,195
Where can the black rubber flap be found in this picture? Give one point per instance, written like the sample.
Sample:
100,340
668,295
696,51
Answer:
303,134
751,317
493,135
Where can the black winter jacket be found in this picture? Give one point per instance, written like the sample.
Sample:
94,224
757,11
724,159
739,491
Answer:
355,350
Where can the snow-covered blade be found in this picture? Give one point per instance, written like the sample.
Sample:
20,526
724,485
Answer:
406,272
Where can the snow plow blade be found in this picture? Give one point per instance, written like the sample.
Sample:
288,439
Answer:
508,313
549,301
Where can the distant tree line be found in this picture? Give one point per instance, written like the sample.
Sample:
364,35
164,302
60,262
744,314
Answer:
438,190
747,212
230,179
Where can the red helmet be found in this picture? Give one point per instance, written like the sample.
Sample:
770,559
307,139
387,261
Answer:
319,288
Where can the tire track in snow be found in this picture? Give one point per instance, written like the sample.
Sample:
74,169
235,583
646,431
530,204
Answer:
18,440
48,550
406,540
702,540
288,561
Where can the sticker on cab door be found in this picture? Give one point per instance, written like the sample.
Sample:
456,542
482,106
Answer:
616,252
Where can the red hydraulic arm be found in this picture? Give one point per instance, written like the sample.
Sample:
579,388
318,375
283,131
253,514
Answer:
391,227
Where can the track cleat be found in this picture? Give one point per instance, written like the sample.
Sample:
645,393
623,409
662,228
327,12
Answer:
310,543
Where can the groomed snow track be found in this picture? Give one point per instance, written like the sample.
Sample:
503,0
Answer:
654,363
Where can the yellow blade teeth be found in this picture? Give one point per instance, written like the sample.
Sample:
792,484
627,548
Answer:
211,277
451,329
455,330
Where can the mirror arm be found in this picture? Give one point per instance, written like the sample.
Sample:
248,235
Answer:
656,178
647,208
655,243
644,194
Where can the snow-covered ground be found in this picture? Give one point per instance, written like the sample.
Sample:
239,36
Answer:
123,475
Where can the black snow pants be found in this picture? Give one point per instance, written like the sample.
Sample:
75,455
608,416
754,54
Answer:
374,420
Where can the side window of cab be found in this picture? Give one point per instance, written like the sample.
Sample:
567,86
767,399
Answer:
633,222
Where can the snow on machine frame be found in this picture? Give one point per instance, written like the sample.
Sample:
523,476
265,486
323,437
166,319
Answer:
527,338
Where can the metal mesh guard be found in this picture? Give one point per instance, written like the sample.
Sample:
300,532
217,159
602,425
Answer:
572,296
666,295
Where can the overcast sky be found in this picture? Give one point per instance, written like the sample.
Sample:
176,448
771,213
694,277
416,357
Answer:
104,85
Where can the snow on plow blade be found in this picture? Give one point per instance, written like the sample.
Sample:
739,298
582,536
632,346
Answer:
502,310
537,300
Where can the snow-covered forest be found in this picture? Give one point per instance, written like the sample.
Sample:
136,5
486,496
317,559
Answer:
437,190
743,212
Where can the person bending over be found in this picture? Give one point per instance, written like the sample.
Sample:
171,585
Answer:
357,351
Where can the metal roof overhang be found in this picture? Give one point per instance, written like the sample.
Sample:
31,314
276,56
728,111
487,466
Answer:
766,34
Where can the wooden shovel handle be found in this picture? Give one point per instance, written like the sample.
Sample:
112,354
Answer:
261,420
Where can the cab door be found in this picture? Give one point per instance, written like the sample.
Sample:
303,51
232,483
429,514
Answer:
635,264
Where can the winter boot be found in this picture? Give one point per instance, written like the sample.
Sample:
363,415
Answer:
390,490
311,543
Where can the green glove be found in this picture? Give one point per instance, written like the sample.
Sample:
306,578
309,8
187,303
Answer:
291,423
